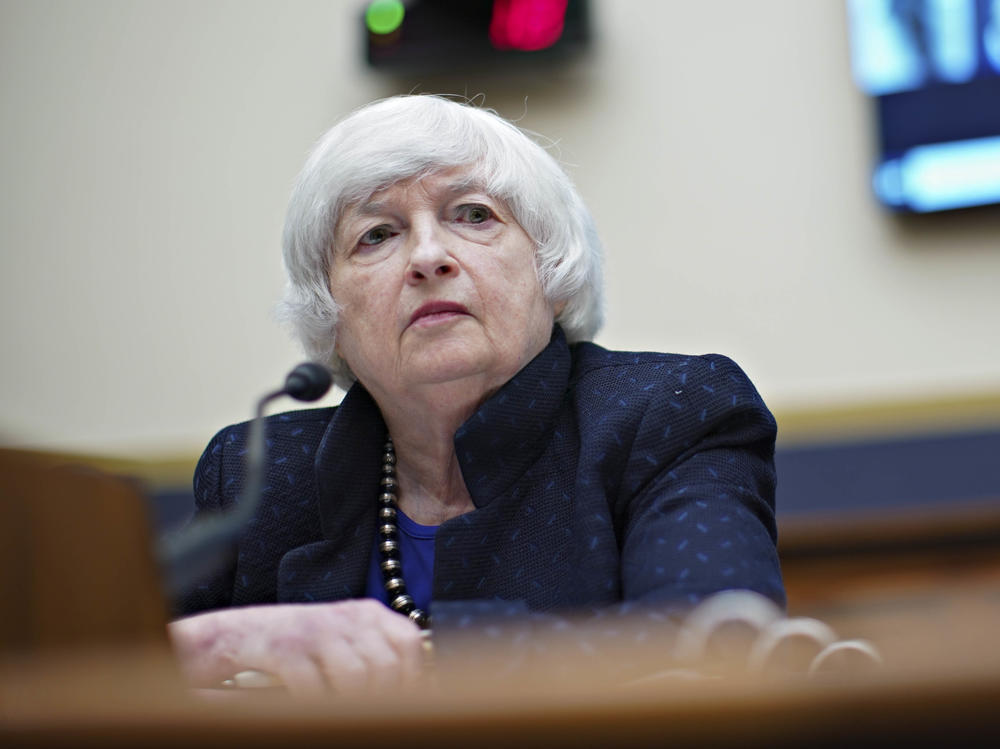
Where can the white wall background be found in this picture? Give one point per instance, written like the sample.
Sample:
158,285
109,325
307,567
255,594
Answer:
147,151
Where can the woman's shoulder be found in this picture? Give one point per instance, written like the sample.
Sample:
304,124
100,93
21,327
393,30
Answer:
279,423
292,440
697,392
650,371
305,426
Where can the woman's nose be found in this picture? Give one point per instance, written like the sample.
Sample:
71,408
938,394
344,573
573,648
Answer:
430,258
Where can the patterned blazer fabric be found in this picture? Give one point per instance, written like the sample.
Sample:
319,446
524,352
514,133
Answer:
600,478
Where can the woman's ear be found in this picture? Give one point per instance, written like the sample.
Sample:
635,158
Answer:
558,307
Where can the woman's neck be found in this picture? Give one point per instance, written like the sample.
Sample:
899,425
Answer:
431,486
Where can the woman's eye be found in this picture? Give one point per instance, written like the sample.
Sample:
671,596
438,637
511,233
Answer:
475,214
375,236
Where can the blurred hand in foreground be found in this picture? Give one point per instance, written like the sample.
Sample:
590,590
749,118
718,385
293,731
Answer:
348,646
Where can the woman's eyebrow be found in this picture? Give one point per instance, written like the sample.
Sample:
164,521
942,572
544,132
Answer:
465,185
369,208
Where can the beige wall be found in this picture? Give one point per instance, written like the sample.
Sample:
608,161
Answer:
147,151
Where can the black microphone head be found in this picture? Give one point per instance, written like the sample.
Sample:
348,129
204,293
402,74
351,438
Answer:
308,381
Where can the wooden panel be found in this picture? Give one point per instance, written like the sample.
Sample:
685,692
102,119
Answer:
76,566
866,572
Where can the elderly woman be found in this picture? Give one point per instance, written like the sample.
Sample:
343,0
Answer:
485,454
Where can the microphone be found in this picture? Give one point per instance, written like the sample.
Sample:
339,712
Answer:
308,382
188,555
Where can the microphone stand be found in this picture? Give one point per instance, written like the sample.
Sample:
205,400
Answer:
189,555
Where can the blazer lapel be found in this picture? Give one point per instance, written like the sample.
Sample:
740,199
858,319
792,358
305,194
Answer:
347,469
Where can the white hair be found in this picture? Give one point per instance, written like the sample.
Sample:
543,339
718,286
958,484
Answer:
409,136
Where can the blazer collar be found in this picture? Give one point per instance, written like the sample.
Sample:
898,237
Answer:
510,430
348,463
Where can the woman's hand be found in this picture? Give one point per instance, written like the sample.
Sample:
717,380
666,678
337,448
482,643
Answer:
356,645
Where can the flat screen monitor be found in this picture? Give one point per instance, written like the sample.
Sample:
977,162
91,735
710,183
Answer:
932,68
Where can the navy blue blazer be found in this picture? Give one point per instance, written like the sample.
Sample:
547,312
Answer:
599,477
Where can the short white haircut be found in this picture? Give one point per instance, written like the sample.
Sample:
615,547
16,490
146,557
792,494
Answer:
403,137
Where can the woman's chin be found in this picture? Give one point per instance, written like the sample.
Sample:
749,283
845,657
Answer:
450,366
444,373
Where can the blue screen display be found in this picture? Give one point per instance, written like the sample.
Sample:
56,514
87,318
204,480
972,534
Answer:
933,69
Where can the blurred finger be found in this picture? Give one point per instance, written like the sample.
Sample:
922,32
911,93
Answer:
302,674
343,667
408,643
382,660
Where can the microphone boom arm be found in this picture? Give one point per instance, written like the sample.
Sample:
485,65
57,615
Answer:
189,555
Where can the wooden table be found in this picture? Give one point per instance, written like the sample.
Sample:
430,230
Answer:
940,686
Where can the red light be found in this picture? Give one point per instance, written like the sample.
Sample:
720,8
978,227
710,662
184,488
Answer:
527,24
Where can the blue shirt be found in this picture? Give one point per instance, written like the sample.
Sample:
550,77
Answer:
416,552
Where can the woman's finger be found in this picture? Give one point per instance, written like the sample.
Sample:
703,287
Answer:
343,668
302,674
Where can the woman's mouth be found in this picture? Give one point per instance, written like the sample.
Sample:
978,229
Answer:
433,312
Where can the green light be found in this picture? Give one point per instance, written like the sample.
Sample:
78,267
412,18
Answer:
384,16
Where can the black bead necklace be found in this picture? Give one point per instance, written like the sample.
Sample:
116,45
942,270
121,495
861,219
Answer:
392,568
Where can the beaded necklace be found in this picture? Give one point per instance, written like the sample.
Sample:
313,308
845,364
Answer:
392,568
